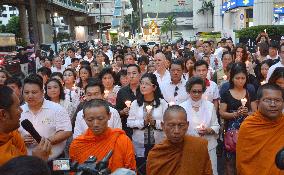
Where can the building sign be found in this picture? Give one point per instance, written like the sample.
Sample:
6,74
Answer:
278,10
232,4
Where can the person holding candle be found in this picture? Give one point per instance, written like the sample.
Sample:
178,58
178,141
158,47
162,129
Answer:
261,135
240,53
264,67
107,77
128,93
234,110
279,64
202,118
146,120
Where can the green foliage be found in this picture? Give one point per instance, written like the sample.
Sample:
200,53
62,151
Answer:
134,4
2,29
252,32
63,36
206,6
21,42
13,26
169,24
128,24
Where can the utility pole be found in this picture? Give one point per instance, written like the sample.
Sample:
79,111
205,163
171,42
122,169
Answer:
100,26
54,34
141,16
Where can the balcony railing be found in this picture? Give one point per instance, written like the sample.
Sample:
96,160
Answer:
69,4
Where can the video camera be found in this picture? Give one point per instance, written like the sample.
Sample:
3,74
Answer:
89,167
279,160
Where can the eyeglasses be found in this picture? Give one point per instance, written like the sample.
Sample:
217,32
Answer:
196,91
176,93
270,101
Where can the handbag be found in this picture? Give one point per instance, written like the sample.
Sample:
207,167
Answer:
231,136
230,140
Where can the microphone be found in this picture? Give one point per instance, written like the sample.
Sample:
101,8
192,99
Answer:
103,164
28,126
279,159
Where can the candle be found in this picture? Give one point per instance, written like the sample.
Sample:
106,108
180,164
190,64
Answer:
225,77
263,82
264,30
74,86
201,126
244,101
106,92
171,103
247,63
103,63
149,108
128,103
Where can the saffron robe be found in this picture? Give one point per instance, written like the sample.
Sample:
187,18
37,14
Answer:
11,145
188,158
88,144
258,142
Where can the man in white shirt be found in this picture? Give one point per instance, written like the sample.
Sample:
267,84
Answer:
49,119
215,62
95,90
173,89
279,64
71,54
107,51
57,65
212,92
161,72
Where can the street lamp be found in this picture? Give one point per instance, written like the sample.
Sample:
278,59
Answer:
54,31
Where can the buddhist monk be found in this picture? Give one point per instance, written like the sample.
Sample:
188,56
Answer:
261,135
178,154
99,139
11,143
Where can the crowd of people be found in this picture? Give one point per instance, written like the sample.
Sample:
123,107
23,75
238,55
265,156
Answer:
186,108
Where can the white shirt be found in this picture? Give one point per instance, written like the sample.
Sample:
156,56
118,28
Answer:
272,68
51,118
87,59
67,61
160,79
212,92
168,90
135,120
81,126
55,69
206,116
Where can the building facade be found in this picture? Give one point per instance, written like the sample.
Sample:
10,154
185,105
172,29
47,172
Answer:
7,13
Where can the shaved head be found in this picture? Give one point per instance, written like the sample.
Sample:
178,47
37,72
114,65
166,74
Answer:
174,109
175,124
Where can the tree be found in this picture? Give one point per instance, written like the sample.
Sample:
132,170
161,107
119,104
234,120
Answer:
13,26
169,25
205,8
165,28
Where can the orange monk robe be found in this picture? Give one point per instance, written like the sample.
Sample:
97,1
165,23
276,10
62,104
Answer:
89,144
188,158
258,143
11,145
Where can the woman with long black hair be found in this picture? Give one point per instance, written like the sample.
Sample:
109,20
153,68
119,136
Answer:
145,116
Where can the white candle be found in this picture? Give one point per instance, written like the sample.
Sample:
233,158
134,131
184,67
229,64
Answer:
128,103
225,77
106,92
103,63
247,63
264,30
149,108
171,103
263,82
244,101
201,126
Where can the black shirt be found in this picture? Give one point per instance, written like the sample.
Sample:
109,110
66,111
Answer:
123,95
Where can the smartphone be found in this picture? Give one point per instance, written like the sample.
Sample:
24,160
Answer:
61,165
